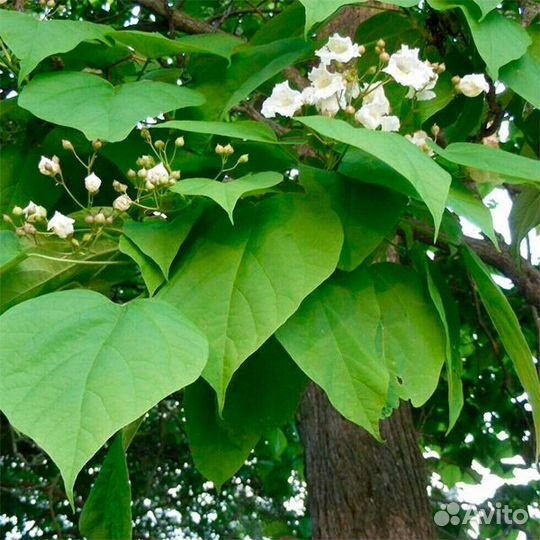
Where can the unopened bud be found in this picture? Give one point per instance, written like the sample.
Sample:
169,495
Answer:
142,173
51,3
6,218
159,144
97,145
89,219
456,79
19,231
381,43
110,220
228,150
149,186
372,70
179,142
361,49
145,134
378,50
220,150
99,219
75,242
435,130
119,187
384,57
131,174
67,145
87,237
349,109
244,158
28,228
441,67
175,175
17,211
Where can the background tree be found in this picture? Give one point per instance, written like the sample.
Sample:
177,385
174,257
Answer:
356,487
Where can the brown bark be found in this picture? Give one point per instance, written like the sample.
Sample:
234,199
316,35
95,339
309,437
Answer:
359,488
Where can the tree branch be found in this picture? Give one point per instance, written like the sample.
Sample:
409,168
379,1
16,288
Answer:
181,21
523,274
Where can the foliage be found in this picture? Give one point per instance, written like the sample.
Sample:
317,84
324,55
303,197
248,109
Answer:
233,218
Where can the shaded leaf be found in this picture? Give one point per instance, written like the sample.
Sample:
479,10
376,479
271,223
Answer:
10,250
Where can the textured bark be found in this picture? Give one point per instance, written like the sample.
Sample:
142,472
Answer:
358,488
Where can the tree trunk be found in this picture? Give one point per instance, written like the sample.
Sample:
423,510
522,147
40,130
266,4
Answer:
359,488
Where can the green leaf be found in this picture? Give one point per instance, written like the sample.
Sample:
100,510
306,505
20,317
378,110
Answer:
320,10
498,39
154,45
429,180
525,213
253,276
447,309
227,194
263,395
368,213
465,204
414,338
522,75
480,156
32,40
241,129
336,339
10,250
160,240
97,108
107,511
507,325
150,271
105,363
36,275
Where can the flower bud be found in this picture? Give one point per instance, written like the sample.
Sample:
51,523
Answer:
28,228
131,174
87,237
17,211
122,203
378,50
159,144
92,183
349,109
228,150
149,186
175,175
109,220
34,212
19,231
372,70
381,43
145,134
456,79
99,219
51,3
361,49
119,187
141,173
89,219
384,57
97,145
49,167
75,243
441,68
67,145
244,158
179,142
7,219
220,150
435,130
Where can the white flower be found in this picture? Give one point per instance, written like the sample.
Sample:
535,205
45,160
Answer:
375,99
340,49
325,83
375,108
92,183
308,95
328,106
420,138
390,123
49,167
284,101
408,70
426,93
472,85
158,175
122,203
352,90
33,212
61,225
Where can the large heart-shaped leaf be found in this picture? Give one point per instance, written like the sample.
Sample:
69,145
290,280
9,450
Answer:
227,194
97,108
335,337
241,283
76,368
32,39
430,181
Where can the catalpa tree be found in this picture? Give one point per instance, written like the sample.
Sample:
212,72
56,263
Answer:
254,213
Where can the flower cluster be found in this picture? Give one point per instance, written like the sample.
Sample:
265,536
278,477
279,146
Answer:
336,85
